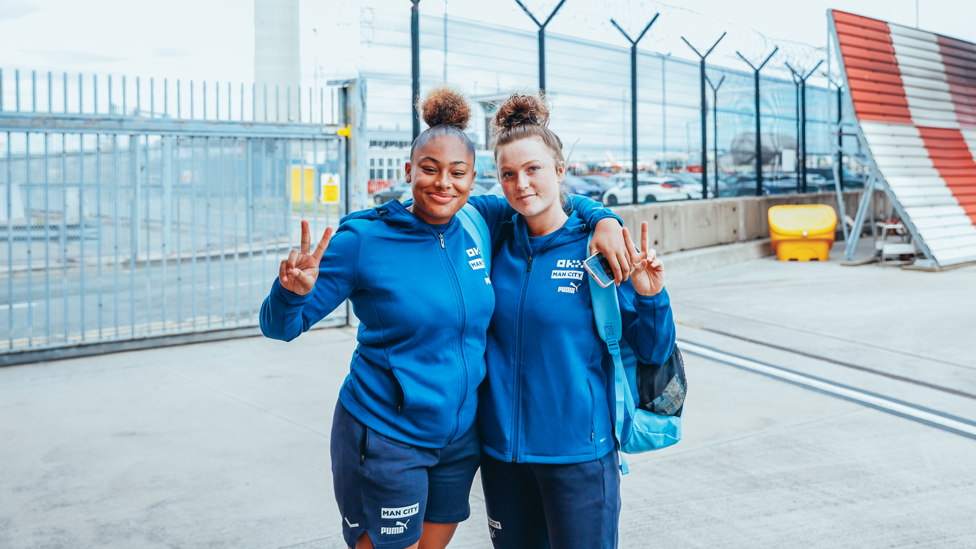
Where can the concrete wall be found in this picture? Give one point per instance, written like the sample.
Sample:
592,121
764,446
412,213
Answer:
692,224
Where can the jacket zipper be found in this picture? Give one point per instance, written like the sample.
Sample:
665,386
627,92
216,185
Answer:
460,350
517,393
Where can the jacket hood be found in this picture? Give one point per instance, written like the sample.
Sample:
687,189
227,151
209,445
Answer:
394,213
574,229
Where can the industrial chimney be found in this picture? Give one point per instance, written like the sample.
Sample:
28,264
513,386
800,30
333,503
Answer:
277,68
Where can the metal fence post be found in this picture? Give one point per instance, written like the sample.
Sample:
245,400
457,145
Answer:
352,111
758,124
633,101
801,82
167,173
715,126
134,212
542,41
704,112
357,195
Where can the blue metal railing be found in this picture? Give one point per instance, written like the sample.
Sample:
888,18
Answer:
118,225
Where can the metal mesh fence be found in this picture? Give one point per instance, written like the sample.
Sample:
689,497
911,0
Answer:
118,227
589,90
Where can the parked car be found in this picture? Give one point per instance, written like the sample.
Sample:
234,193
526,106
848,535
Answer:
744,188
690,178
393,192
578,185
601,181
851,180
650,188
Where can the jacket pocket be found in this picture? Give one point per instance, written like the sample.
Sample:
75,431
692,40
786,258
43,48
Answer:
363,445
399,397
592,407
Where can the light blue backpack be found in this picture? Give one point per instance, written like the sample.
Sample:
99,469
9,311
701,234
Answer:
477,227
636,430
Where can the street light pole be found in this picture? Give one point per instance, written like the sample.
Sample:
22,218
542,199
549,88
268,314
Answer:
542,40
715,126
704,112
758,125
633,100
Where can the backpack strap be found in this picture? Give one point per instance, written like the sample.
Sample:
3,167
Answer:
475,224
606,313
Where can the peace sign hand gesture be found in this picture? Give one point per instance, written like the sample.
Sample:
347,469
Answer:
647,272
299,272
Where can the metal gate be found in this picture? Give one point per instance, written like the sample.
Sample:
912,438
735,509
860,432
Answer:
133,225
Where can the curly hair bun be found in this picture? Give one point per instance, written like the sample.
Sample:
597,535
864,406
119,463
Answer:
521,109
446,106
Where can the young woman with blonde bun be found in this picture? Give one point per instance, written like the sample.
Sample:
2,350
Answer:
549,469
405,447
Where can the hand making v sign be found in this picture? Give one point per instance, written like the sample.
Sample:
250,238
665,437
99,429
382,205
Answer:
299,272
647,271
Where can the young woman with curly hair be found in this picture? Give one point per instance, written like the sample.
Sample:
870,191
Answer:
405,446
549,468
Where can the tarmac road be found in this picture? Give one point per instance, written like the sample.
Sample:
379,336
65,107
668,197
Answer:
225,444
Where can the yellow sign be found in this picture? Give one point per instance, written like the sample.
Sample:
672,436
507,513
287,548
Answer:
330,188
296,184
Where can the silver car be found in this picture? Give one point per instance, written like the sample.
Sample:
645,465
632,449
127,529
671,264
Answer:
650,188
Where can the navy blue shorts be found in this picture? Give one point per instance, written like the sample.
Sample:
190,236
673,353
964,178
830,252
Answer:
387,488
538,505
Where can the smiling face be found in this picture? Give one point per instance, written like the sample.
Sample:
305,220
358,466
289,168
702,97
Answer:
530,177
441,174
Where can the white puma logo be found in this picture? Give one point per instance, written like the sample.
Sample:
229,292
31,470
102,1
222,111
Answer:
571,289
400,528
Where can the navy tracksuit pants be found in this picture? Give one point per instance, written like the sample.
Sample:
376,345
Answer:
540,505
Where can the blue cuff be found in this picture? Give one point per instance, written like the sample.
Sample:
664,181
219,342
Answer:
604,213
650,303
599,213
288,296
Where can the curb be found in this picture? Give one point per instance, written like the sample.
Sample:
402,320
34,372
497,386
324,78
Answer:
713,257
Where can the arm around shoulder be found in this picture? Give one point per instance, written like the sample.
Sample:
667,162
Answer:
495,210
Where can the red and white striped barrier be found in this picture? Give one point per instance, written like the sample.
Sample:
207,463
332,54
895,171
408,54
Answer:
914,96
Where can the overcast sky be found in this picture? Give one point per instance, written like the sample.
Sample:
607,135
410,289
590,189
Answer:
214,39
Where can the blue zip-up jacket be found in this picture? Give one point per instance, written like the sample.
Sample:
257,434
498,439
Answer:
548,396
424,301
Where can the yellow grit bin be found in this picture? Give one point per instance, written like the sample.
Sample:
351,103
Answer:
803,232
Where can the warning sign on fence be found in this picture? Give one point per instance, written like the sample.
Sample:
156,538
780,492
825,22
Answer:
330,188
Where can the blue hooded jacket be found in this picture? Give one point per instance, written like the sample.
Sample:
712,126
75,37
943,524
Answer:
548,395
424,301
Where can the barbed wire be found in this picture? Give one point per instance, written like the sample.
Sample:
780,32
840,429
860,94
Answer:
591,20
700,29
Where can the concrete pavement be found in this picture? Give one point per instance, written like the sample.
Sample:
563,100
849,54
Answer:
225,444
